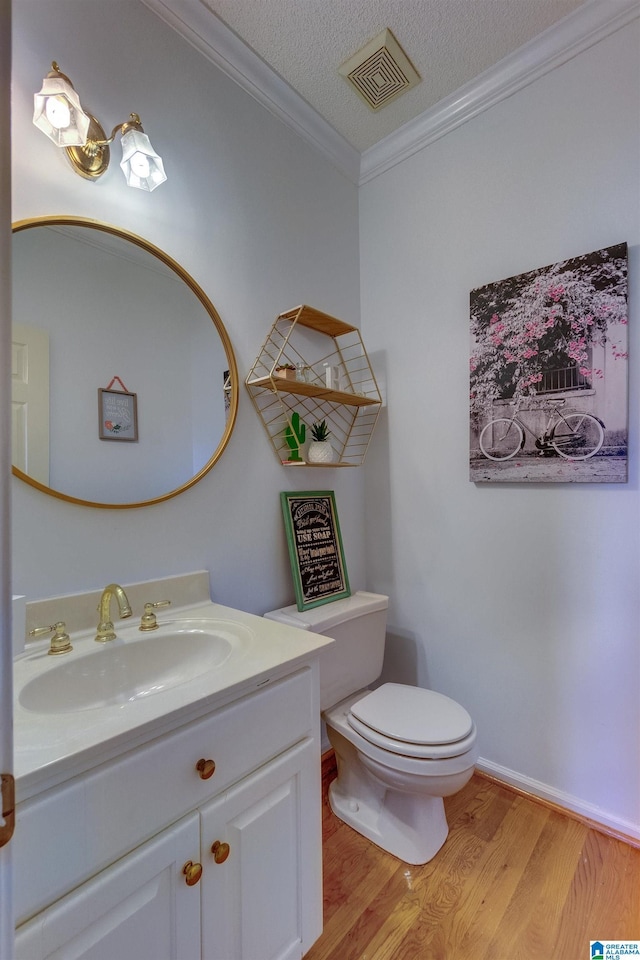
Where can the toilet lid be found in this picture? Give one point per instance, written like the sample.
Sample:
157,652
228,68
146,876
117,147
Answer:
411,720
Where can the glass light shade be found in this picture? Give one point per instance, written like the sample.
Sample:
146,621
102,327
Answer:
141,165
59,114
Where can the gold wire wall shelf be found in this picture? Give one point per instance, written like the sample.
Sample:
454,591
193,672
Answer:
314,367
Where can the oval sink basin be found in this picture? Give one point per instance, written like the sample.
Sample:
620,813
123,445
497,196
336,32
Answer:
121,671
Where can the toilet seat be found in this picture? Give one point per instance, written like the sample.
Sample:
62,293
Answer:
413,722
338,720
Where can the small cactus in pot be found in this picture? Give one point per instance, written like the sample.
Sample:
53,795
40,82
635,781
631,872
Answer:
320,449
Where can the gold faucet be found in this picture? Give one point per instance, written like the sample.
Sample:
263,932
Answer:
105,627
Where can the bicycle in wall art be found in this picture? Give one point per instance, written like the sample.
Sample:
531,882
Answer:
548,378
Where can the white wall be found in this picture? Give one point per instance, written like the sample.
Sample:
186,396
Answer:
260,220
520,601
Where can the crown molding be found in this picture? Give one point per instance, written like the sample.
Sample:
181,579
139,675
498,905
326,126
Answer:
588,24
212,38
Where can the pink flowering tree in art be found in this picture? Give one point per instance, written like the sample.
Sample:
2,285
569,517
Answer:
546,320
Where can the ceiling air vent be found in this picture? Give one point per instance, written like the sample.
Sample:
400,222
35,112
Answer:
381,71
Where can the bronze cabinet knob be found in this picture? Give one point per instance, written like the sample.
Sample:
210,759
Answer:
192,872
220,851
205,768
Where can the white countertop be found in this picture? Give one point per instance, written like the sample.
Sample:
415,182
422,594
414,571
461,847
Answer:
52,747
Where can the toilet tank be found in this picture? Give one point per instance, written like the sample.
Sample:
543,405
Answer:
358,625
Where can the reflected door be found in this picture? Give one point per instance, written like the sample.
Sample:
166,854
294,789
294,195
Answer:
30,401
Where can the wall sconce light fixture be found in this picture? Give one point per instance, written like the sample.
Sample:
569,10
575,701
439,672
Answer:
60,115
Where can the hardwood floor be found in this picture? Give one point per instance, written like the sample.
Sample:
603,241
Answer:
515,880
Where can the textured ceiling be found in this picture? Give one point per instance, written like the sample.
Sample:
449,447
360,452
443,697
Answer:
450,42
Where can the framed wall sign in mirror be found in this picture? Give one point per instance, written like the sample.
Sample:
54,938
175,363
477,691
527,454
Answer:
117,415
91,301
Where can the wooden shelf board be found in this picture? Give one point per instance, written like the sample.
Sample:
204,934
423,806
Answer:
282,385
316,320
303,463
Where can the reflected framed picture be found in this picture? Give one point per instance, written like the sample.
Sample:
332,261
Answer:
117,415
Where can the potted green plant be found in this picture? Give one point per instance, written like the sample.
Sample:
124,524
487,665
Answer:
320,449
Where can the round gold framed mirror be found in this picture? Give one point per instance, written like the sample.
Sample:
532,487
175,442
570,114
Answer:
124,381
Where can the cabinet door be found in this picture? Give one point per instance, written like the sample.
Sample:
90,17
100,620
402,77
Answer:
262,898
138,909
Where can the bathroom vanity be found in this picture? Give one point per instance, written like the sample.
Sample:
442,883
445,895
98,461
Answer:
181,822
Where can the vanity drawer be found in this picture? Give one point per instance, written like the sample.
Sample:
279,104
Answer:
71,832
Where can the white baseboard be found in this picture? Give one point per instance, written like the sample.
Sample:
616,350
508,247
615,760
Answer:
559,798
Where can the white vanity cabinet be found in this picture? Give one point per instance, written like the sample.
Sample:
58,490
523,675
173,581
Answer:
99,859
136,908
256,886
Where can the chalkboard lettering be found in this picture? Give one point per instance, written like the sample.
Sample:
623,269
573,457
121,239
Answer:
315,547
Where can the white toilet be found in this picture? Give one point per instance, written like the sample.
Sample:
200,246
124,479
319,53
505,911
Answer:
399,749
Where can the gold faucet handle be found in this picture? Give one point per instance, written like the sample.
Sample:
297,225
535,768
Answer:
60,641
148,619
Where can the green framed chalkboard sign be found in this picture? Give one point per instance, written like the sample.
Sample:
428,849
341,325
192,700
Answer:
315,547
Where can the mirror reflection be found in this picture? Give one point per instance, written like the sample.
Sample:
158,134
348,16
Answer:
97,309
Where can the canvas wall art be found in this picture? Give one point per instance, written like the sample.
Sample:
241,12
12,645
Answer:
549,373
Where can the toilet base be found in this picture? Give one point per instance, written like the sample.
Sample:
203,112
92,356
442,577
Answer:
411,828
391,799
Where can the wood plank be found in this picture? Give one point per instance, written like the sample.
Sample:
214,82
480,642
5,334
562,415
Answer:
515,879
353,886
478,917
317,320
604,899
530,922
303,389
